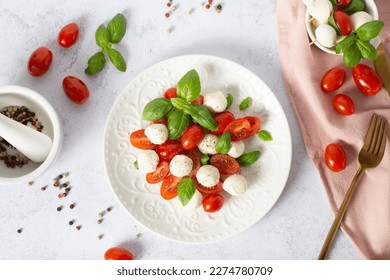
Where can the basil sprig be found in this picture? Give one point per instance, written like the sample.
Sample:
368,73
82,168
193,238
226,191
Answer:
223,144
177,123
246,103
186,190
188,88
157,109
105,38
248,158
201,115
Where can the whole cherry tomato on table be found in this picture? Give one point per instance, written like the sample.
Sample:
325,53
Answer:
169,149
335,157
212,202
343,104
222,119
118,253
159,174
139,140
343,22
75,89
333,79
39,62
68,35
191,136
366,79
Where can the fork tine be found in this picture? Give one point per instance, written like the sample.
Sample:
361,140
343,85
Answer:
381,128
370,132
383,141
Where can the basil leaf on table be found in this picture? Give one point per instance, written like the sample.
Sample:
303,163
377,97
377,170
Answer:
346,43
102,37
369,30
354,6
248,158
95,63
178,103
117,59
204,159
229,99
201,115
178,121
156,109
186,190
188,88
223,144
117,28
352,56
264,135
246,103
366,49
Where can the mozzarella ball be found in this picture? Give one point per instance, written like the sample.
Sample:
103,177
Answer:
157,133
235,185
195,201
326,35
147,161
181,166
208,175
207,145
237,149
320,9
215,102
360,18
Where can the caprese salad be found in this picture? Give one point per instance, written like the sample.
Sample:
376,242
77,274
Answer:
194,146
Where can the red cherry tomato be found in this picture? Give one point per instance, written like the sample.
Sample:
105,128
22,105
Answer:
222,119
139,140
170,93
366,79
239,129
163,121
335,157
68,35
194,156
209,190
212,203
255,123
118,253
191,136
169,149
75,89
39,62
159,174
169,187
343,22
343,104
198,101
343,3
333,79
225,164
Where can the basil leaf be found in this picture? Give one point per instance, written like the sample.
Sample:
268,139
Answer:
177,123
95,63
248,158
117,28
178,103
102,37
117,59
332,23
223,144
334,2
229,99
186,190
354,6
265,135
366,49
201,115
188,88
352,56
246,103
136,165
370,30
346,43
204,159
156,109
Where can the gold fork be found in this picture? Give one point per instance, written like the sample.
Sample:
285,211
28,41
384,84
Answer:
370,156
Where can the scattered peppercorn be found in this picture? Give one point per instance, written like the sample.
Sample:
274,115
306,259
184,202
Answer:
43,188
71,222
108,209
56,184
174,8
30,183
167,15
101,214
100,221
100,236
68,189
60,195
71,206
210,1
64,185
218,8
19,230
169,4
207,6
59,208
78,227
64,194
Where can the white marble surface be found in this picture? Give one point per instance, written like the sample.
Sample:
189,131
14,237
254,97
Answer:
244,32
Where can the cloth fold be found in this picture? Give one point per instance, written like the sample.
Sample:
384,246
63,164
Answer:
367,221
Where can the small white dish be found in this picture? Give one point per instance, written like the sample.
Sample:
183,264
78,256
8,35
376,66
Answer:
13,95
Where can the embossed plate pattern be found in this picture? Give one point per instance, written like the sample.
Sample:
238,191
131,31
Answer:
266,178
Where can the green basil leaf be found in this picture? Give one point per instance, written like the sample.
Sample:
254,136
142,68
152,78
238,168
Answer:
352,56
248,158
117,59
186,190
188,88
370,30
95,63
117,28
102,37
334,2
223,144
204,159
346,43
265,135
354,6
178,103
201,115
136,165
246,103
332,23
229,99
178,121
157,109
366,49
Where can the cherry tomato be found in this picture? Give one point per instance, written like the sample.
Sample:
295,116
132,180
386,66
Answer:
343,22
209,190
139,140
169,149
163,121
222,119
169,187
118,253
255,123
191,136
194,155
225,164
239,129
39,62
343,104
333,79
159,174
68,35
75,89
335,157
170,93
366,79
212,203
343,3
198,101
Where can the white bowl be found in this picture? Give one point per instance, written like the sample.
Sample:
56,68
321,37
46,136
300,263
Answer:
370,7
18,96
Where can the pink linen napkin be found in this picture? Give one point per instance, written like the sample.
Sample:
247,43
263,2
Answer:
367,221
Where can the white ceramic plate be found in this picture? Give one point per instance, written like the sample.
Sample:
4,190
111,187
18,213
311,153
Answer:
266,178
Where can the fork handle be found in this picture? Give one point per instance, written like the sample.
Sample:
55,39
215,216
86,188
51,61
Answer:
339,216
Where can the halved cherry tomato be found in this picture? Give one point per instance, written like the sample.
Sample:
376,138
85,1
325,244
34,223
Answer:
335,157
169,187
225,164
343,22
118,253
39,62
366,79
212,203
222,119
343,3
193,154
170,93
68,35
198,101
333,79
163,121
75,89
169,149
343,104
239,129
191,136
255,125
159,174
139,140
209,190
